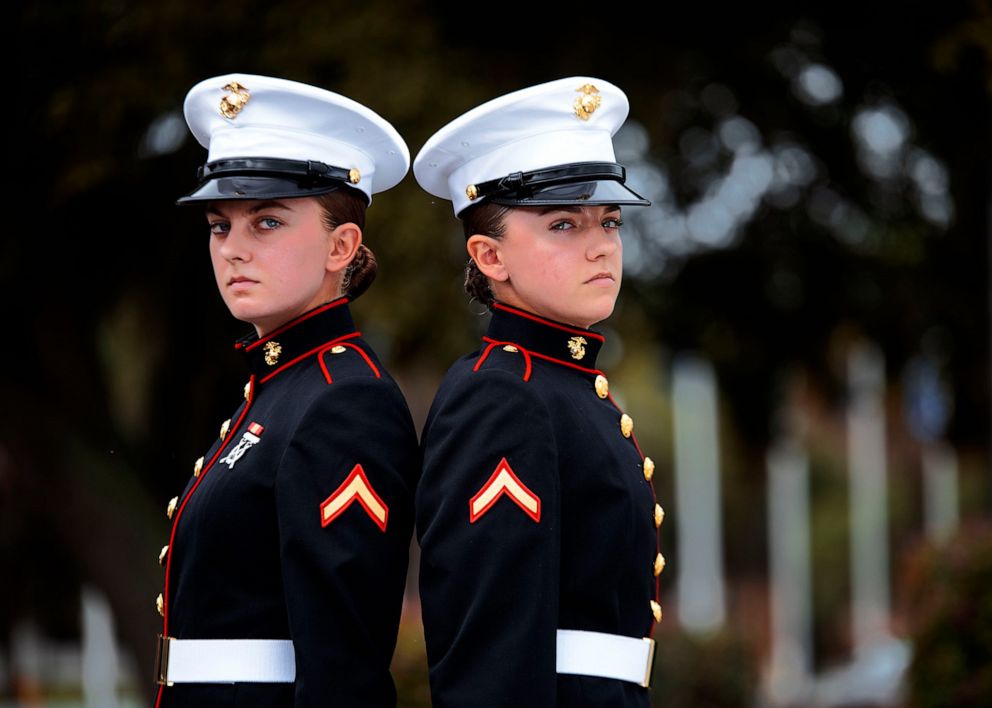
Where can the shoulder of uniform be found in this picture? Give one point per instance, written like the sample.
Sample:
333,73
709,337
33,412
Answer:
499,381
505,356
347,360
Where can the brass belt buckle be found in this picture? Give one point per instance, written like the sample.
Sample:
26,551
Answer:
162,661
649,668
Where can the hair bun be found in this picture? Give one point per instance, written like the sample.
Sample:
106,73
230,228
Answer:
360,273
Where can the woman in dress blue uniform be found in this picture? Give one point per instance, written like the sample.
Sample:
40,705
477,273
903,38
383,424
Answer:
535,511
287,556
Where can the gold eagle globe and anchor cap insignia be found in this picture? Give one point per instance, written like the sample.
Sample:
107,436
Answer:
577,347
587,103
237,99
272,351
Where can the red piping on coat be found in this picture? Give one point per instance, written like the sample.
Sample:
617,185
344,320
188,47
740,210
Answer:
303,356
179,513
492,344
331,345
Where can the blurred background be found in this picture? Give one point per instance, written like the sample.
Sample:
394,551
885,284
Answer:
803,338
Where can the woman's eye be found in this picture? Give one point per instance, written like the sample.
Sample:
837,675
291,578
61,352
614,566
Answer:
562,226
269,223
613,223
219,227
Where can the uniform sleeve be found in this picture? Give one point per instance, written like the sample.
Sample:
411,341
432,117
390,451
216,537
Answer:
490,566
344,493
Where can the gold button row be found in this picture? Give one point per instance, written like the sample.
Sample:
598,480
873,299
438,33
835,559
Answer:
602,386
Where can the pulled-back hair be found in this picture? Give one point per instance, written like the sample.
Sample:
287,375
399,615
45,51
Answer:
344,206
489,220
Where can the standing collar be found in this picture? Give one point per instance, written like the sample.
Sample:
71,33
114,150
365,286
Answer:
544,338
298,338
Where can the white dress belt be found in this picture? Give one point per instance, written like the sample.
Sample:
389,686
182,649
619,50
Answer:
225,661
605,655
274,660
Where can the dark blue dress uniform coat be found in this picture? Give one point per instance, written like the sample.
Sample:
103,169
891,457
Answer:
535,512
269,540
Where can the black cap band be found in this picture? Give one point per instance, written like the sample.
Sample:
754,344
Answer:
577,183
267,178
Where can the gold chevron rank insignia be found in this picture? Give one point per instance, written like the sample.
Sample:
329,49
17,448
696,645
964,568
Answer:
504,482
355,487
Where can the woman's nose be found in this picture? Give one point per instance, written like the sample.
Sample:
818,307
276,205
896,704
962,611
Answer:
235,245
603,242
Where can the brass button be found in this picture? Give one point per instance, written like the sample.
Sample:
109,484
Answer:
656,611
247,390
162,554
354,175
648,468
510,348
339,349
626,425
659,515
602,386
197,466
171,508
659,564
160,604
224,427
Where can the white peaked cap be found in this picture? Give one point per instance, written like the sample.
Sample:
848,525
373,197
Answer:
244,116
553,124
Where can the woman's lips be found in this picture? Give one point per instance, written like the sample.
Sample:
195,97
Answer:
240,282
601,279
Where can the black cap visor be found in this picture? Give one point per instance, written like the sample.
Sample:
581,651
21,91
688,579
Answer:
594,193
579,183
266,178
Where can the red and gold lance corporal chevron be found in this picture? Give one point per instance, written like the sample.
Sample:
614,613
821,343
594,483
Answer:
504,481
356,486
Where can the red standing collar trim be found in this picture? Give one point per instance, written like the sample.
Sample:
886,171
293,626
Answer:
292,323
549,323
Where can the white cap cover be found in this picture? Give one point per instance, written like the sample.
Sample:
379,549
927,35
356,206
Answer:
240,116
558,123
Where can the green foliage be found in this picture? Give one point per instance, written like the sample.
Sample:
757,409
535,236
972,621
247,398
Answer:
717,671
949,590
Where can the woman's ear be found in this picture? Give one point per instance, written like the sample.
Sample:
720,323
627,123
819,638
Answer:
343,242
486,252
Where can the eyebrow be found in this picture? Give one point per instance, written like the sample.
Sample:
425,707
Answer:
267,204
572,208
